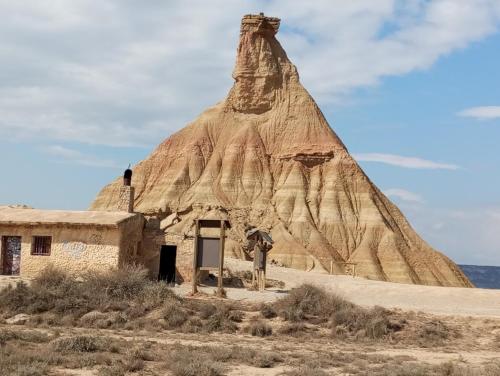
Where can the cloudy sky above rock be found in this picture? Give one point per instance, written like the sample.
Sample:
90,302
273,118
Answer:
412,87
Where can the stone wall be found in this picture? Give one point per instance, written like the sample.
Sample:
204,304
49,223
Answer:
130,240
152,240
74,249
154,237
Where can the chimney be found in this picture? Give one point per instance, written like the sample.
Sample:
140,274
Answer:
126,195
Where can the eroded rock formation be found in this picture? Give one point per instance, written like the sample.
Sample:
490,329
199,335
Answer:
267,156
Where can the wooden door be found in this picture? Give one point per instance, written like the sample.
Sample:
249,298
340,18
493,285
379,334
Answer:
11,255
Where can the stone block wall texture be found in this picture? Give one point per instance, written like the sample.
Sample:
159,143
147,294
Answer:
74,249
130,240
78,248
126,199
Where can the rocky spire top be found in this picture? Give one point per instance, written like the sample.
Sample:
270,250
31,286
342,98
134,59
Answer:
261,65
260,23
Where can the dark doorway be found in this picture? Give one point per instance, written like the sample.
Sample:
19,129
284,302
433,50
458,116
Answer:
11,255
168,254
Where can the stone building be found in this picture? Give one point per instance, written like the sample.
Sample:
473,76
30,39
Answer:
74,241
77,241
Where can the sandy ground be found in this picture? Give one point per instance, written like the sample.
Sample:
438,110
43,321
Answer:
429,299
476,312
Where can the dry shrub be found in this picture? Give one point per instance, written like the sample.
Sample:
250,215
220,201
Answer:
267,311
183,362
292,329
140,353
174,315
22,335
127,290
206,310
433,333
22,368
239,355
32,359
259,329
192,325
308,300
221,320
445,369
363,323
236,315
311,303
79,344
114,370
305,370
16,362
265,360
134,365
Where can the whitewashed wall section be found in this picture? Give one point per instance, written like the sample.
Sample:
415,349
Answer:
75,249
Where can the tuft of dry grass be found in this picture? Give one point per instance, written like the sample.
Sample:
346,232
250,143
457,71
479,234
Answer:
182,362
174,315
221,320
33,336
292,329
267,311
113,297
79,344
311,303
259,329
305,370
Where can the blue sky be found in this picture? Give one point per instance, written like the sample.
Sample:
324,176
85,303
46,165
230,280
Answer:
411,87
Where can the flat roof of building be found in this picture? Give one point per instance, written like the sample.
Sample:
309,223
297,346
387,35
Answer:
23,216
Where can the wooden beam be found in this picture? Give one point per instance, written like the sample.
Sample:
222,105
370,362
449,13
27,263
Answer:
221,256
195,257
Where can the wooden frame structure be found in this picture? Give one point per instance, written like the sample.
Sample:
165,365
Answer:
203,255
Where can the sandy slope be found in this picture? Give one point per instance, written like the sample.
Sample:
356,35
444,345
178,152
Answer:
430,299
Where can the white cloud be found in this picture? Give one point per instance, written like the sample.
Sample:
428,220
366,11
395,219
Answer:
484,112
404,195
401,161
66,155
469,235
128,73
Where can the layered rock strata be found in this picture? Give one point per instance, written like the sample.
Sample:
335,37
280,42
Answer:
266,156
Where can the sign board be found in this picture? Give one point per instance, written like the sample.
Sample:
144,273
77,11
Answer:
208,253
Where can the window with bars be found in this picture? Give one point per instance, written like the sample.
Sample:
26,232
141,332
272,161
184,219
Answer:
41,245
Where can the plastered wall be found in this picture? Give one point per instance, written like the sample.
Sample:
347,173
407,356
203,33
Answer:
74,249
130,240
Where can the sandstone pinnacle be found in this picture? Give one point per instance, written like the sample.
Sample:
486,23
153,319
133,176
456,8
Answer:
266,156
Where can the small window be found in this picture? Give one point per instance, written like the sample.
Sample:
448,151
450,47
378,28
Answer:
41,245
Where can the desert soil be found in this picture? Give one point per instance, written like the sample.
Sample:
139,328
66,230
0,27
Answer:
429,299
476,312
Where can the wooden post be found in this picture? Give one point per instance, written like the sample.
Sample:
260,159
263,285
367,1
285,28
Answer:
353,270
264,279
331,266
221,256
195,257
